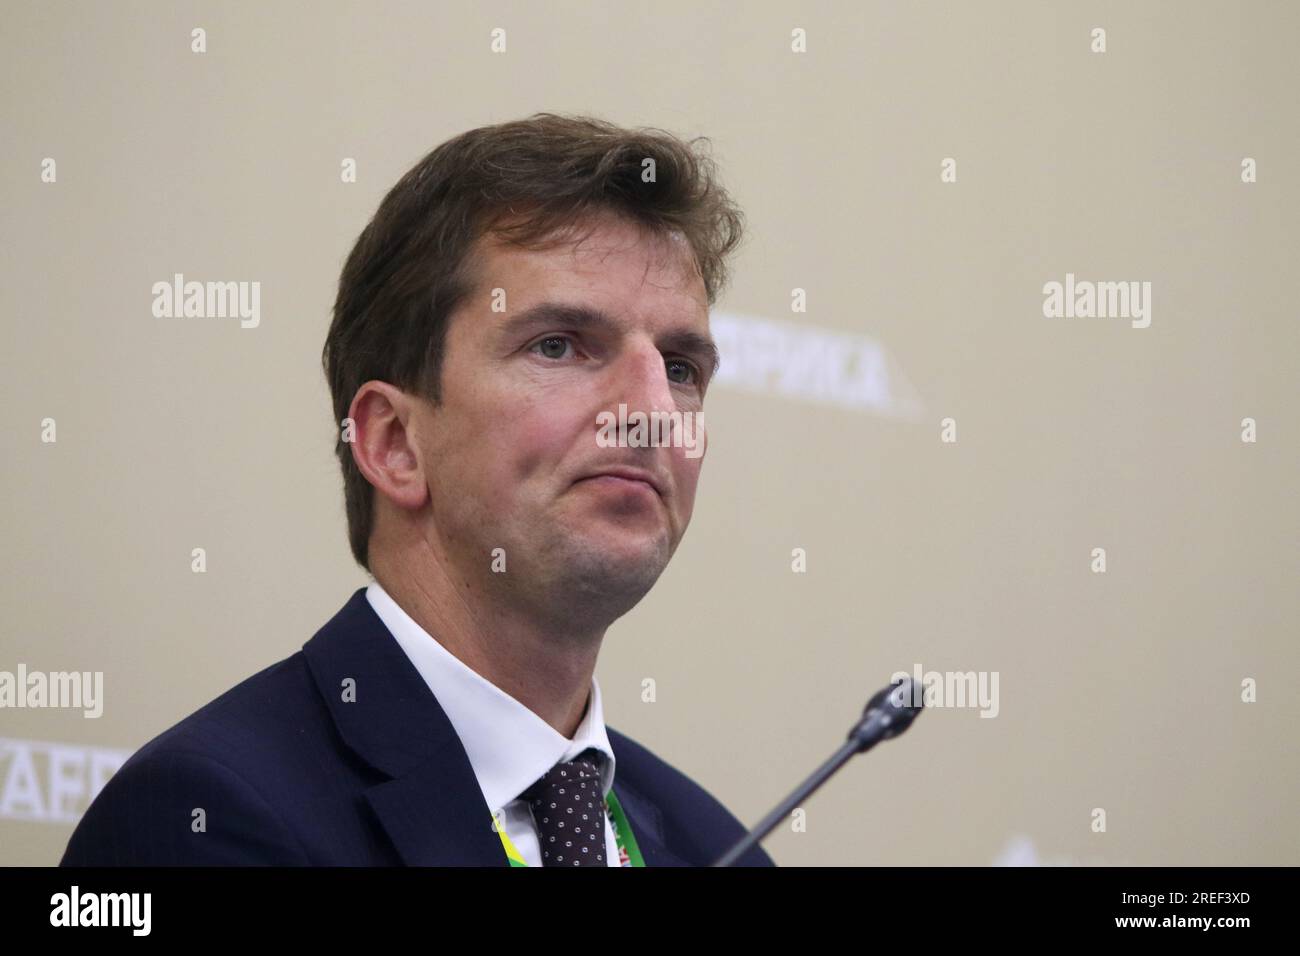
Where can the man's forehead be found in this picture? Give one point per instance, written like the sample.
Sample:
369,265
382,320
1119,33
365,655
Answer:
596,236
635,262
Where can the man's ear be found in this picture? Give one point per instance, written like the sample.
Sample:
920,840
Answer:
384,443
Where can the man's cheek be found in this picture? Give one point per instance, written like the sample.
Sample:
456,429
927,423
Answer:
688,478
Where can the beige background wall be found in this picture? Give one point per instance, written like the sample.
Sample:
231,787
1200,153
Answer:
1120,691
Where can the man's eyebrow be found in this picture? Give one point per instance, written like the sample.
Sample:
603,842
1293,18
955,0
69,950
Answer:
694,343
546,314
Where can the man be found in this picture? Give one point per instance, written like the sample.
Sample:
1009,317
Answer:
519,283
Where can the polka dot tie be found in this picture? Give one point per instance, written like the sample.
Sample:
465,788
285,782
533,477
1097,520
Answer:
569,808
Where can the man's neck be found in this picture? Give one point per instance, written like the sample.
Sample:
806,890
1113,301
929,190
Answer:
548,673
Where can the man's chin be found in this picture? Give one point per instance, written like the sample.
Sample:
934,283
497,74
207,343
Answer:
620,568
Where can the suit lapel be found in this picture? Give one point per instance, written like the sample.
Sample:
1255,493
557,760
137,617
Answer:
431,807
647,827
436,816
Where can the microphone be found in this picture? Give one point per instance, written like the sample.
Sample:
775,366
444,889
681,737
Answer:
888,713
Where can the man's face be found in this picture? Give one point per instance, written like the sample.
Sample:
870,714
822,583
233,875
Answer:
621,318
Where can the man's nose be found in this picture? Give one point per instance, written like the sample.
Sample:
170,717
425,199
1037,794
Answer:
641,381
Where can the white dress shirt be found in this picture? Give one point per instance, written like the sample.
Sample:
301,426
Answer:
508,745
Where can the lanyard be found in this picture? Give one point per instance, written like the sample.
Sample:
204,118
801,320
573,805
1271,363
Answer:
629,854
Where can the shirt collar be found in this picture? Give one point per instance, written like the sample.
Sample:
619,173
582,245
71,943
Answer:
509,746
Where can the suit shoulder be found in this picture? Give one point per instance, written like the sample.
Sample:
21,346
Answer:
243,722
222,760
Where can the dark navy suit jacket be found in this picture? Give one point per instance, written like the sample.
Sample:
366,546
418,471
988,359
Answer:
288,773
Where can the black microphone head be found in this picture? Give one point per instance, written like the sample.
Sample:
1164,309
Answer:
890,711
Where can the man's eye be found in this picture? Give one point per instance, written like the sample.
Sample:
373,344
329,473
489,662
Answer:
691,373
547,345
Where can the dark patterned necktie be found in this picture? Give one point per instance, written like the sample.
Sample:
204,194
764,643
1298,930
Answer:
569,808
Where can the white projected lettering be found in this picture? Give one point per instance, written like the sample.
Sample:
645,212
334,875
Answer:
798,361
52,782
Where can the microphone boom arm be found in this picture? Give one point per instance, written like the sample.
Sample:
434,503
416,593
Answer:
887,714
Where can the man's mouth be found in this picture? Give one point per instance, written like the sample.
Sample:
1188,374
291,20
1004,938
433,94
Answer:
615,483
624,479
